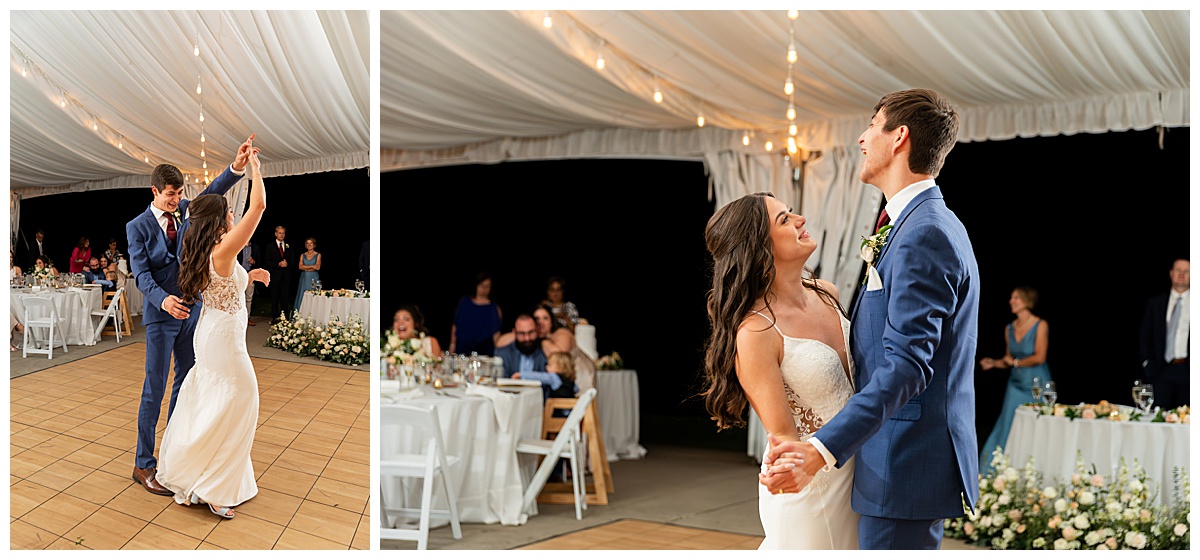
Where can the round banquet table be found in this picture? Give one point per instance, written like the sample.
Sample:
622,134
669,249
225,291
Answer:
74,307
319,308
620,419
489,479
1052,440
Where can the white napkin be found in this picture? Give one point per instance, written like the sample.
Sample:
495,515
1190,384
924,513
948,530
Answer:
502,403
509,382
401,396
874,282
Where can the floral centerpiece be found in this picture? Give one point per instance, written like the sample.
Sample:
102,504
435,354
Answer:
343,342
407,351
44,273
341,292
1111,412
610,362
1017,510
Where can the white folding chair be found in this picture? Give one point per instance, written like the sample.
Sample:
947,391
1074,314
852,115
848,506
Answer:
113,311
40,313
565,445
427,466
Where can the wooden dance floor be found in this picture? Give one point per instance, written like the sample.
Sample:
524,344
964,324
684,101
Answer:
73,432
636,534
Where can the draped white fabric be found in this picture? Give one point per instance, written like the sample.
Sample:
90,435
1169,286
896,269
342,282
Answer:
489,86
299,79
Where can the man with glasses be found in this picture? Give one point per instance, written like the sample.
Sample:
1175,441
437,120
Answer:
525,353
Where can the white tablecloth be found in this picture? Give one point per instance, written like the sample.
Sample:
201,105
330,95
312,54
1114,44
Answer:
133,296
620,418
320,307
490,478
74,307
1053,440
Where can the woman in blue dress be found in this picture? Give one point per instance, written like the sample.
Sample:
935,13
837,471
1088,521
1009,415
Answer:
1026,340
477,320
310,263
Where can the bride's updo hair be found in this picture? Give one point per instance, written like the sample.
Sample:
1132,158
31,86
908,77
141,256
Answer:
207,223
738,236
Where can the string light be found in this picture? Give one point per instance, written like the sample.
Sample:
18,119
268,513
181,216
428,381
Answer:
62,102
793,14
198,90
546,21
791,145
121,144
791,55
791,112
147,159
792,129
600,57
769,146
95,126
658,95
789,87
745,138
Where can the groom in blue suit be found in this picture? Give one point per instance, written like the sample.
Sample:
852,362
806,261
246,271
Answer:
911,425
155,241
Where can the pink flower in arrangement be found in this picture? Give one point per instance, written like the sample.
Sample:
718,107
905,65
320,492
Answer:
1088,414
1097,480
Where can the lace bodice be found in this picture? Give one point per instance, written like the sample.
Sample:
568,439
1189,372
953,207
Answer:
816,385
226,293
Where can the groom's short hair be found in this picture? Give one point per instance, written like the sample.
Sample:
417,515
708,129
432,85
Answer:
166,174
932,124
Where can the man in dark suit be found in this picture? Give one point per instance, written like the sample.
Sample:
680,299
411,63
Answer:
910,428
155,240
29,252
1168,318
280,260
525,353
249,260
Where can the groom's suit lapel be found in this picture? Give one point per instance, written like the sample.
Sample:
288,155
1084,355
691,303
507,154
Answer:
928,194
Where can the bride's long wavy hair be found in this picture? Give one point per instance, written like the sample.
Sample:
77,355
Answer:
207,223
738,236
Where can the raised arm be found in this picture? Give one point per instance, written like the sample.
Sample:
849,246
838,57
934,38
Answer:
225,253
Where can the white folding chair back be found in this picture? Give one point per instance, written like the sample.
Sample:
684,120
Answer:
113,311
427,466
40,313
565,445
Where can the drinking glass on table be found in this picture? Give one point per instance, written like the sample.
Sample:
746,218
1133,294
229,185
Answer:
1035,387
358,285
1049,393
1137,388
1145,397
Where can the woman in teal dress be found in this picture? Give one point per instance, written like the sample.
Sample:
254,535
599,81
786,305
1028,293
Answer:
1026,340
310,263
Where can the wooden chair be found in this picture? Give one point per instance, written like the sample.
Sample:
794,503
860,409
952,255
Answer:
602,482
124,320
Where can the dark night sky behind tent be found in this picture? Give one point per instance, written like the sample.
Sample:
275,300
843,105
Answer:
1092,221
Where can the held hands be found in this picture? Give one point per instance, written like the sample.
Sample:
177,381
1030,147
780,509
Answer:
789,466
260,275
243,154
175,308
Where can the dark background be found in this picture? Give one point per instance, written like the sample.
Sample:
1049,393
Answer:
332,207
1092,221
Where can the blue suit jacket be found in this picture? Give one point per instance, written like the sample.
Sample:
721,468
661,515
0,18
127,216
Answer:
512,359
153,264
912,421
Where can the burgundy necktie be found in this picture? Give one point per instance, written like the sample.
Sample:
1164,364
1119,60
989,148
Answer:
883,220
171,233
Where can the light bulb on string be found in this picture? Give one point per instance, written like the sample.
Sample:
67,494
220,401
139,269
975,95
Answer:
600,57
791,55
95,127
700,120
121,144
792,129
769,146
196,50
791,145
201,152
23,72
789,87
791,112
201,137
198,89
793,14
62,101
745,138
546,21
147,159
204,165
658,95
201,116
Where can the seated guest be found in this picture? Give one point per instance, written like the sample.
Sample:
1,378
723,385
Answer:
14,271
113,254
42,263
557,338
558,381
409,322
565,312
93,273
525,353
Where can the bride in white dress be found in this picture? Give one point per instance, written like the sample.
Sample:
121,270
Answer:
205,453
778,344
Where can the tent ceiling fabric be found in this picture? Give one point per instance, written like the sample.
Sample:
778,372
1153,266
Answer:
298,79
456,78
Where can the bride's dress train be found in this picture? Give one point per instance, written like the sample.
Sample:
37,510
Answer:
205,452
818,517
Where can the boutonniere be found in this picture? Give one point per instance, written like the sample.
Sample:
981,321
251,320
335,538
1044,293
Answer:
872,246
178,216
286,246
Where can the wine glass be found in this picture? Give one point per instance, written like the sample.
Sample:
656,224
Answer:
1049,393
312,283
1145,397
1035,387
358,285
1137,388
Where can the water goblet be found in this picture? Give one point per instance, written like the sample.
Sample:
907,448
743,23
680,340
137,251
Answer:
1035,387
1146,397
1136,389
1049,393
358,285
312,283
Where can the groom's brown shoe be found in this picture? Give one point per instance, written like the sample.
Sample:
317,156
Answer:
145,477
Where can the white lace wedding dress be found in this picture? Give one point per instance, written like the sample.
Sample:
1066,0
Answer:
819,517
205,452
